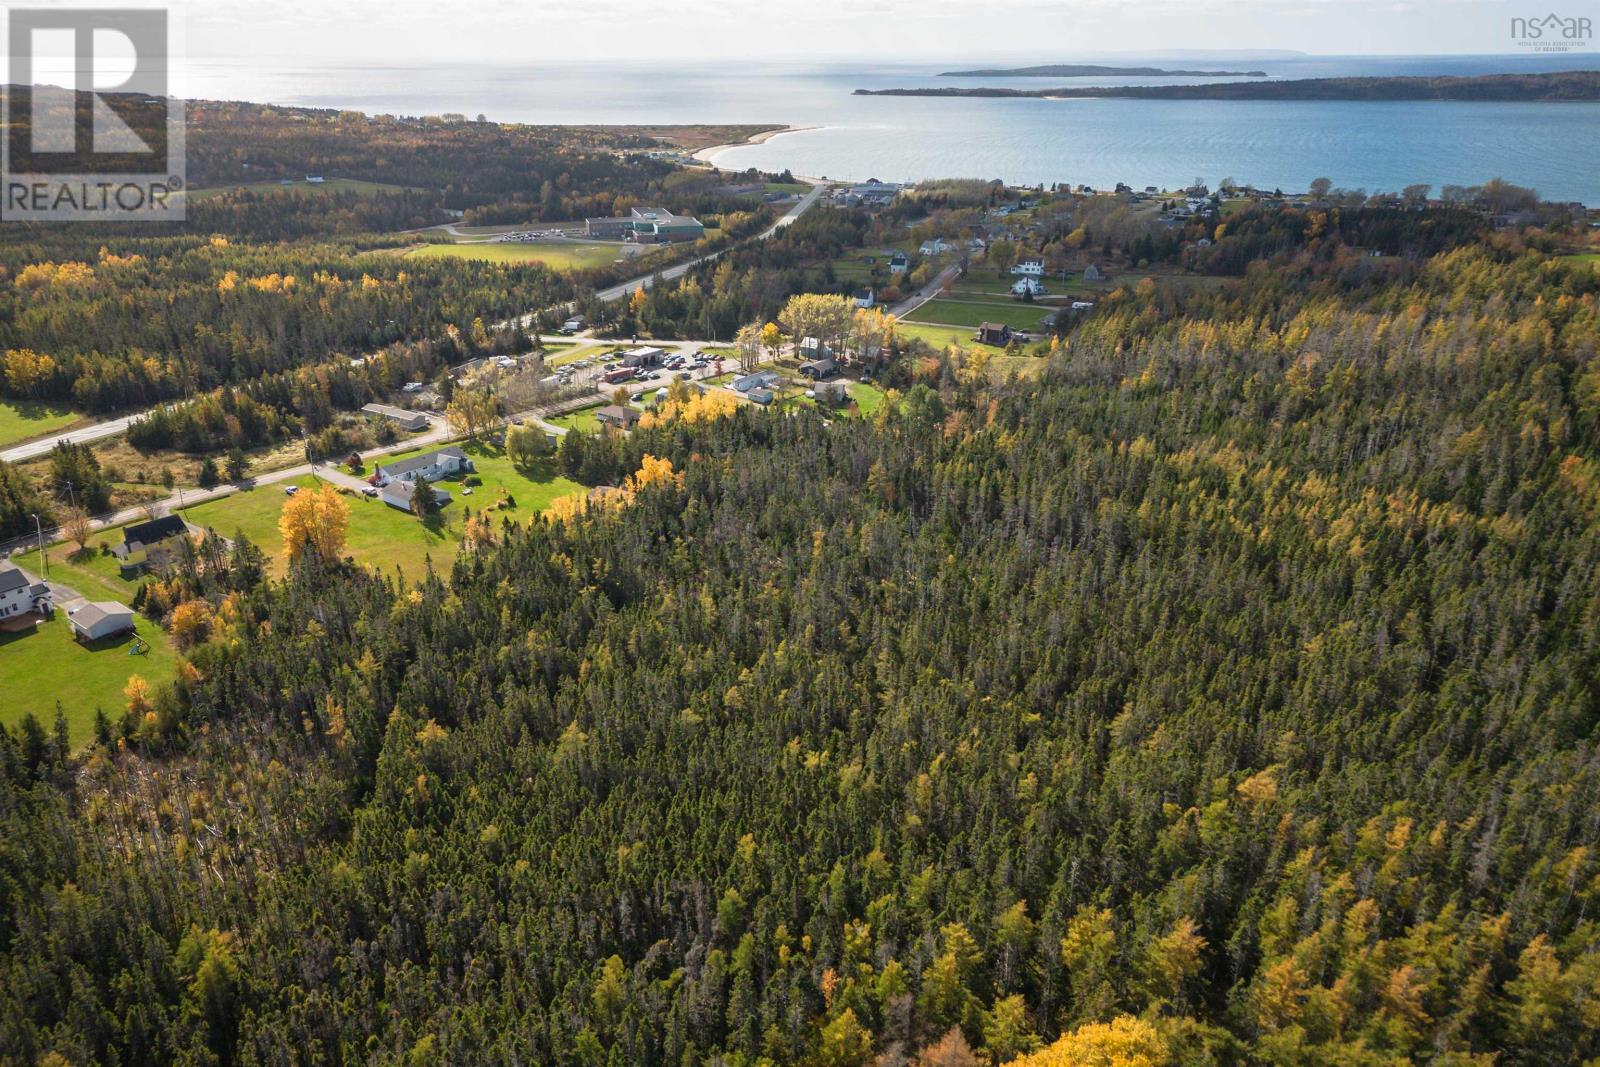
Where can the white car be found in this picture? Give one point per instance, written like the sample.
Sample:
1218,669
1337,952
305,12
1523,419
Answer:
290,490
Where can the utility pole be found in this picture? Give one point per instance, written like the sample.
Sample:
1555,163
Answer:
44,560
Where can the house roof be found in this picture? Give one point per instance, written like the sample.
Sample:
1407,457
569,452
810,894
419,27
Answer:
153,531
12,578
994,327
390,411
417,463
618,413
95,613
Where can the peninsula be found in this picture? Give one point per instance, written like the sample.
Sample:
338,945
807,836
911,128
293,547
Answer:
1562,86
1079,70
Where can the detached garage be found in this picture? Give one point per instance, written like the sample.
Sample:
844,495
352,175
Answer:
97,621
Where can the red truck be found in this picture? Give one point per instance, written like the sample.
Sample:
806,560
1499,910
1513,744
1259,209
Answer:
621,374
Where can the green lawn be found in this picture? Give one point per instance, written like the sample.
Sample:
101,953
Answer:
560,255
1584,257
386,537
43,666
937,336
24,420
984,282
949,312
583,419
95,574
868,398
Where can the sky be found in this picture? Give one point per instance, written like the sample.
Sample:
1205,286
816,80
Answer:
825,30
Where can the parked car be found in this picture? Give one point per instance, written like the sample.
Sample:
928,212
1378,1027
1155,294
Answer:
290,490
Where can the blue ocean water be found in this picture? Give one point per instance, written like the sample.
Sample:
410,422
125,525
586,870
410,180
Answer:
1376,146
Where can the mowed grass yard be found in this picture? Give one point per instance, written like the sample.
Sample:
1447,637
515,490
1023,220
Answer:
45,665
385,537
24,420
558,255
953,312
584,419
938,336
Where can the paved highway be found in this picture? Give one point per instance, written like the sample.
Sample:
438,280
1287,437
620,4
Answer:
807,202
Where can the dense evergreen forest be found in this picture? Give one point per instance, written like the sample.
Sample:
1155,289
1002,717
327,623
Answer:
1227,695
261,281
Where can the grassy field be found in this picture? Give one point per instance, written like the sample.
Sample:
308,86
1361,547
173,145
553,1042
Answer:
45,665
1584,257
300,188
558,255
950,312
23,420
583,419
868,398
937,336
386,537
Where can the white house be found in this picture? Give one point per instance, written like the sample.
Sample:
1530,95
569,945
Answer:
20,595
441,463
399,494
1029,267
935,247
102,619
1028,287
865,299
899,263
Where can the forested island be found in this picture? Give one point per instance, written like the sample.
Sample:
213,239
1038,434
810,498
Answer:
1561,86
1091,70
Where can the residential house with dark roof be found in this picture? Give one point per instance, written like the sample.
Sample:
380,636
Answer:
20,594
994,333
151,545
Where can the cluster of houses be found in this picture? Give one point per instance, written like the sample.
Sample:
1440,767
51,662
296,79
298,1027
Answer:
646,225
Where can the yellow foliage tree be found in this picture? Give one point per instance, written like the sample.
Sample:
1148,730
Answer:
190,622
27,371
316,520
1123,1042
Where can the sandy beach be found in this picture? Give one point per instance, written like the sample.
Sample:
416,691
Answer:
709,155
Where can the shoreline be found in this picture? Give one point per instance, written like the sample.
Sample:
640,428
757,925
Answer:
709,155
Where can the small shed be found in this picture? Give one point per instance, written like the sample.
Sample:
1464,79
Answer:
99,620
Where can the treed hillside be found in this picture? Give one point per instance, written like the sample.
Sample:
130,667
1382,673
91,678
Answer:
1228,696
